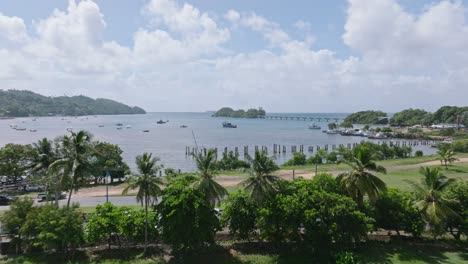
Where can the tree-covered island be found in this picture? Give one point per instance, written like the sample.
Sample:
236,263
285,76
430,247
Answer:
250,113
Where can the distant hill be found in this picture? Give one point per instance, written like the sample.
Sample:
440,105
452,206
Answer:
229,112
15,103
367,117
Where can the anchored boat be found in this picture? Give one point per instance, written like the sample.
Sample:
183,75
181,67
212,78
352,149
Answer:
229,125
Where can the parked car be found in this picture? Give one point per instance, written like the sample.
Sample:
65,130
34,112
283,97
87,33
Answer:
6,200
42,197
31,188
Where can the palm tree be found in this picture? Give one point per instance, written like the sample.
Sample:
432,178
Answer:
261,182
206,165
430,201
45,155
147,182
360,181
74,161
446,156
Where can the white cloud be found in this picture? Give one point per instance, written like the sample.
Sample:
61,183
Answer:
180,60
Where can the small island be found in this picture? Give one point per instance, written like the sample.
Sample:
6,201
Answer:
16,103
250,113
367,117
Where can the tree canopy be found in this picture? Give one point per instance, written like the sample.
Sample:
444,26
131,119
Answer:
250,113
367,117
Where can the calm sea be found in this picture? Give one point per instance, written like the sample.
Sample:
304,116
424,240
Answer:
168,141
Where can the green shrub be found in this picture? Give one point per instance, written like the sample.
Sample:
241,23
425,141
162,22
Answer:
418,153
298,159
231,161
240,215
346,257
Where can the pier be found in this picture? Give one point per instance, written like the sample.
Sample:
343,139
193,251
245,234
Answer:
282,149
303,118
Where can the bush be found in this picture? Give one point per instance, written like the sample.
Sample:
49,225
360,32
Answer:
394,210
298,159
50,227
346,257
332,157
460,146
240,215
457,195
386,130
418,153
14,219
231,161
186,220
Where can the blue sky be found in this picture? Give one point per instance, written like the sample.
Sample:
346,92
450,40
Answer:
332,51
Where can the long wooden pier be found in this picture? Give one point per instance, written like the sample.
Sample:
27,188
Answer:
303,118
278,149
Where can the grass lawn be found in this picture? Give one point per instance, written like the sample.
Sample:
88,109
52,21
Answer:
397,179
91,209
372,252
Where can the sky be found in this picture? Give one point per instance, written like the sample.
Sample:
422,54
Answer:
199,55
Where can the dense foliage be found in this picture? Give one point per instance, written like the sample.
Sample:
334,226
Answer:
445,114
367,117
250,113
16,103
187,221
240,215
410,117
231,161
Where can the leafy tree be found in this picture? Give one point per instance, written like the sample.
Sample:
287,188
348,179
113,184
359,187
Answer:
50,227
229,112
446,155
418,153
240,215
360,181
206,165
108,157
75,159
261,182
332,157
394,210
103,223
460,146
231,161
133,222
456,196
430,201
298,159
14,219
147,182
15,160
330,217
187,220
332,126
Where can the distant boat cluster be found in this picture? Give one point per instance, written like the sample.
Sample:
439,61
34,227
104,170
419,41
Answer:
120,126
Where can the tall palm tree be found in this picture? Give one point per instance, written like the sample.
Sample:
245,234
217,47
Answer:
446,156
74,162
206,165
430,201
147,182
45,156
261,182
360,181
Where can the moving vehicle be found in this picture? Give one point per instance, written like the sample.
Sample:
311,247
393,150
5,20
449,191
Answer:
6,200
42,197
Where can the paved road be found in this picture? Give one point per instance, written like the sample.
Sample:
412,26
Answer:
92,201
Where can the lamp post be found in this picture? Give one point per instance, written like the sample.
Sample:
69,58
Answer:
107,185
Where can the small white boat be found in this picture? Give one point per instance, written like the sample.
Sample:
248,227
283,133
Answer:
128,126
314,126
332,132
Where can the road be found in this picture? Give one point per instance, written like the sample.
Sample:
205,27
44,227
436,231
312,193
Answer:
92,201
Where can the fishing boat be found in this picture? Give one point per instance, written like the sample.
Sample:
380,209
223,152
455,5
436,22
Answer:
161,122
314,126
32,130
119,128
20,128
183,126
101,125
128,126
146,130
377,136
229,125
119,124
332,132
